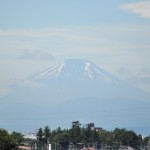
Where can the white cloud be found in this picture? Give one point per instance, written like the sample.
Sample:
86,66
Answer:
76,40
123,73
141,8
140,80
36,55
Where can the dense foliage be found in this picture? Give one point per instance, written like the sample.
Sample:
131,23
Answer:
9,141
77,136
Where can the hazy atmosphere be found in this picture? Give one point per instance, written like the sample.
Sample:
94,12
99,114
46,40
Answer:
114,34
35,35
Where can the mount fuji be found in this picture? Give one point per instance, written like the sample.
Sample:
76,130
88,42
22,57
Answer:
75,89
80,77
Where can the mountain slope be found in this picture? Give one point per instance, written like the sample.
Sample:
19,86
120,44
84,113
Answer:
83,78
61,93
79,69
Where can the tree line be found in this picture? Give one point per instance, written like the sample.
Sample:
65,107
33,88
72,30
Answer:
10,141
77,137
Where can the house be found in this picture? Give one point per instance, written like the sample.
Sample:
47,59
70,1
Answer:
91,126
24,147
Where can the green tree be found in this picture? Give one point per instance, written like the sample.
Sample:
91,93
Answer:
40,135
84,135
6,141
119,135
128,138
47,134
18,137
75,132
146,141
105,138
61,137
131,139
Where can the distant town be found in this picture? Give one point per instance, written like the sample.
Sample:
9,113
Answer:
78,137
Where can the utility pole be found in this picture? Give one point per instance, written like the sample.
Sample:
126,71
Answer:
55,145
47,143
35,146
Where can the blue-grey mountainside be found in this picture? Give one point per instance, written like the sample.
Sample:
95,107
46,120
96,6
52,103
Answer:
74,89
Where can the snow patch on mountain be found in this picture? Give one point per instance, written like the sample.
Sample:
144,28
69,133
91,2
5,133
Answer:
51,72
75,69
87,68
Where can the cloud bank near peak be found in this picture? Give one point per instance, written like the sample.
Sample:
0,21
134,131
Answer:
36,55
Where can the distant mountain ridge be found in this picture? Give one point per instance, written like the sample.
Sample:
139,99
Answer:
71,87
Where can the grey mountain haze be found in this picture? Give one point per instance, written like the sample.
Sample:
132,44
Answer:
74,89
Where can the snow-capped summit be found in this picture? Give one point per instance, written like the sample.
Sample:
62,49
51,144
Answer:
75,69
81,77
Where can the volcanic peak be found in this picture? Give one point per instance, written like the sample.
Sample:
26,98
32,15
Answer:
75,68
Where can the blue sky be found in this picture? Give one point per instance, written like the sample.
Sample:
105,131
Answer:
36,34
37,14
